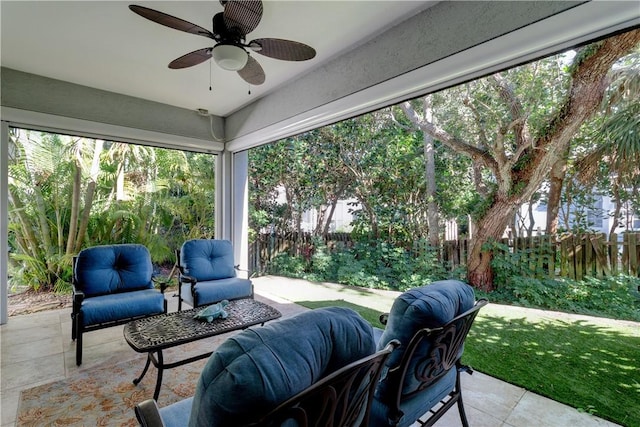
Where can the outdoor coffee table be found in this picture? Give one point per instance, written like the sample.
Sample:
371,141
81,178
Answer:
154,334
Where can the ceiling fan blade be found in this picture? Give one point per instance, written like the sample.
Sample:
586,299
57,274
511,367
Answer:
252,73
242,17
286,50
170,21
190,59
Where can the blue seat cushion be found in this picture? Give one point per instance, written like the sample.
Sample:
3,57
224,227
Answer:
109,308
108,269
429,306
256,370
414,406
216,290
207,259
176,414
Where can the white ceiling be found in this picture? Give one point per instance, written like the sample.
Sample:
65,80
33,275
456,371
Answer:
102,44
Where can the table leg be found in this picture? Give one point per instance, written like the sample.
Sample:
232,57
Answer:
160,366
144,371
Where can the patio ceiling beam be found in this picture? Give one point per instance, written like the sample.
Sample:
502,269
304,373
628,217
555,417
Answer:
46,104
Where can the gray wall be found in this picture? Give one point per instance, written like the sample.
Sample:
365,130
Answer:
33,93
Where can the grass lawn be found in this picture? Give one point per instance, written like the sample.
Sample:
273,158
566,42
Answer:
592,364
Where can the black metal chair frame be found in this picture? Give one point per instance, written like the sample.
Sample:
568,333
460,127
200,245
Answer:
341,399
446,344
184,278
77,329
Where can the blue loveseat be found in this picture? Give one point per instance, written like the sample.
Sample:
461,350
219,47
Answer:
112,284
254,371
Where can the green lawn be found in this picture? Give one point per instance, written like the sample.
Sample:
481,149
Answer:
590,365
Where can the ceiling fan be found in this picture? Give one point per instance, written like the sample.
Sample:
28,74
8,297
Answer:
231,51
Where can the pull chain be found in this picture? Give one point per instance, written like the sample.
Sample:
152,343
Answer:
249,89
210,73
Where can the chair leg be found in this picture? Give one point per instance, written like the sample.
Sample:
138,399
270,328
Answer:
463,415
79,348
77,325
73,327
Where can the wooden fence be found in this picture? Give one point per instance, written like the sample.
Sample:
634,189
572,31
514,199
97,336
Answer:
572,256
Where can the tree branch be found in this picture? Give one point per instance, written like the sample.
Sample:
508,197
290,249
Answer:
454,143
518,116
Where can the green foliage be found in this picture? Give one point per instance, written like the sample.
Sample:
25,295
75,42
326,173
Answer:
529,262
376,265
521,281
287,265
152,196
613,297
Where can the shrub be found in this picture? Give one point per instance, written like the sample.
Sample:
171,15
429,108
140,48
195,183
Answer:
287,265
615,297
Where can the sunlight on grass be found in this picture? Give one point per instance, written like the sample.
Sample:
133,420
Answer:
591,367
572,357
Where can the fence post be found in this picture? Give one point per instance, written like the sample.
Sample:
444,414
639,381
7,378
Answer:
613,253
633,253
601,264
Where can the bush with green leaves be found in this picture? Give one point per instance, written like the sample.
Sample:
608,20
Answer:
377,265
615,297
286,265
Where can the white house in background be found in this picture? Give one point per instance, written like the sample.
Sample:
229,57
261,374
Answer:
340,221
597,218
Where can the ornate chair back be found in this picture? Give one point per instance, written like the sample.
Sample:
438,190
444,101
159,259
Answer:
424,373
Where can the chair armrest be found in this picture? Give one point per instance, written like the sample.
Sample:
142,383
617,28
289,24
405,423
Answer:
188,279
77,298
384,318
237,268
77,294
164,284
148,414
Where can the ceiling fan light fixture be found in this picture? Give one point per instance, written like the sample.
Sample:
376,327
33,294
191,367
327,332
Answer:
230,57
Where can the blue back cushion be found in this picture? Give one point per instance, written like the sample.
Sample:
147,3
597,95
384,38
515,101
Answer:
113,268
261,367
429,306
207,259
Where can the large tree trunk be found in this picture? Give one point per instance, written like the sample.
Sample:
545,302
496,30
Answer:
556,182
430,176
490,227
617,204
332,211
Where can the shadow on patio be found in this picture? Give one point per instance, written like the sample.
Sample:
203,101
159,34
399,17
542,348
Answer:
37,349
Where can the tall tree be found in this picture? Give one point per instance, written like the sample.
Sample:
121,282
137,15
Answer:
518,159
433,217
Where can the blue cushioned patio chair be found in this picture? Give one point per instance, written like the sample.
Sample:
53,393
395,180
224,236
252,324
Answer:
422,377
207,274
257,370
112,285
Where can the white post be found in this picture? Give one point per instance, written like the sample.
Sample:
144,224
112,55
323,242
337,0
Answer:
240,209
4,219
223,196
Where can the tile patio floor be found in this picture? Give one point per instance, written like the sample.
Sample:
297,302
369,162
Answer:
37,349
